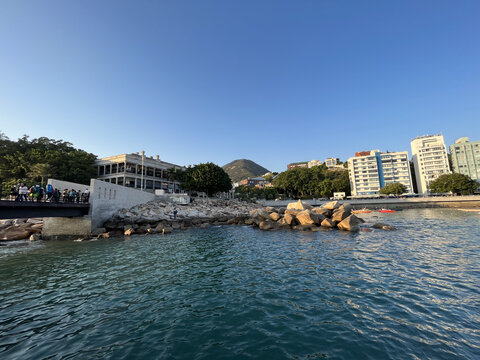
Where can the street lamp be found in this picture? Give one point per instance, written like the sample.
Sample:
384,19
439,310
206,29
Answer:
143,162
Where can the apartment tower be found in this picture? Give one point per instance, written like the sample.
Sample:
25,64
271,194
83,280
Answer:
429,156
369,171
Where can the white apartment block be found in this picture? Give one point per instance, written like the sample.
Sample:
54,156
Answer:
429,156
370,171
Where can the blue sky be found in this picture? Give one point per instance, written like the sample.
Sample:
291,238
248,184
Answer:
271,81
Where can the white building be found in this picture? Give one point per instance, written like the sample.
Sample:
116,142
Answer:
370,171
429,156
313,163
333,164
126,170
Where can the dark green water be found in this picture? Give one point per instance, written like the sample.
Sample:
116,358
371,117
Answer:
238,292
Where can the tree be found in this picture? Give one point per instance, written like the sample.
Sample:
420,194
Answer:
316,181
455,183
393,189
28,160
209,178
40,171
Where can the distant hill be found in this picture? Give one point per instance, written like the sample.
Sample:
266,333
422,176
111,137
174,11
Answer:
242,169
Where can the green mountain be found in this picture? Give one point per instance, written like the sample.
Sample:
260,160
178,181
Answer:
242,169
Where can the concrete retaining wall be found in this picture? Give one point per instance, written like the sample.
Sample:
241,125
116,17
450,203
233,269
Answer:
107,198
472,201
66,228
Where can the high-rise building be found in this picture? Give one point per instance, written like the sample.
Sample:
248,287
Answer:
369,171
466,157
429,156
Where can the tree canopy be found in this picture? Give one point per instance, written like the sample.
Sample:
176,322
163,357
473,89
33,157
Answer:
393,189
31,160
455,183
316,181
209,178
245,192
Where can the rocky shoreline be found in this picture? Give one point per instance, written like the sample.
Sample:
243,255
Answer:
160,217
156,217
19,229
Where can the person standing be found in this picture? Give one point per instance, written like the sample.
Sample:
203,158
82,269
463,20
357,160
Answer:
49,192
23,192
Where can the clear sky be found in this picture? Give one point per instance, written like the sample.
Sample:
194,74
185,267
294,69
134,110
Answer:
271,81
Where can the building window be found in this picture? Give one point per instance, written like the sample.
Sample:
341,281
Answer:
120,181
131,168
114,168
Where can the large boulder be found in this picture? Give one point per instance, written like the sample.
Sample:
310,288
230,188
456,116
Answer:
270,209
289,219
306,217
322,211
14,233
266,225
299,205
349,224
292,212
98,231
340,214
275,216
260,213
384,226
332,205
249,221
346,207
327,223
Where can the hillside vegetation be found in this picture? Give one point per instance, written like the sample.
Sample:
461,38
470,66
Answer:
242,169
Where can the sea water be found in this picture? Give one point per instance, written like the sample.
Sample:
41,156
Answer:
238,292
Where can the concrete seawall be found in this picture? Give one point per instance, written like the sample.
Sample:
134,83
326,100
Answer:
471,201
107,198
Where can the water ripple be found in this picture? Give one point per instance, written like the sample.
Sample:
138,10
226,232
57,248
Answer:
237,292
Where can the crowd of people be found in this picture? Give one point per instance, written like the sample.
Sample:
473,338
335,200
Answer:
22,192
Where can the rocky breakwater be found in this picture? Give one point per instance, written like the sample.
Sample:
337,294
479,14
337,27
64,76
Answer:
301,216
159,217
19,229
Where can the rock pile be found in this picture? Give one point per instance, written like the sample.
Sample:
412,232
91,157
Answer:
301,216
157,217
18,229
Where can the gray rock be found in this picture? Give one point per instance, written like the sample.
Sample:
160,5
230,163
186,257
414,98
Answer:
328,223
331,205
340,214
266,225
98,231
34,237
275,216
349,224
